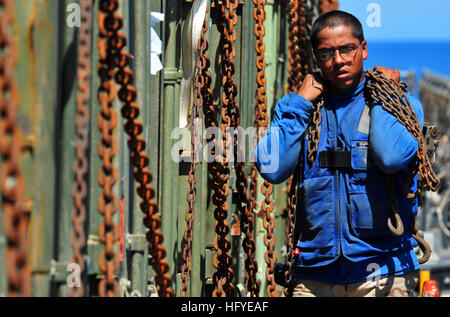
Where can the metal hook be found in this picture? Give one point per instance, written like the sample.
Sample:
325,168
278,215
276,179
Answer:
424,246
398,229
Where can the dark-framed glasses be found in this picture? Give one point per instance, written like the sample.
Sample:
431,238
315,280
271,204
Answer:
346,52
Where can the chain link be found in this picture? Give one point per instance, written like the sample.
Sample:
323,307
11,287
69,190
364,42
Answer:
12,182
291,215
314,130
223,277
392,98
298,67
80,167
139,159
200,81
108,202
328,5
269,238
219,178
261,121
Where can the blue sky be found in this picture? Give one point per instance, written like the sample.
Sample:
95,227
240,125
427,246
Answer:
402,20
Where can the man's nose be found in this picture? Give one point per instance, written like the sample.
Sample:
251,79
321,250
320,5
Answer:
337,58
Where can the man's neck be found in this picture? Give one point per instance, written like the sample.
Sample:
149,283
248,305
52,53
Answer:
348,89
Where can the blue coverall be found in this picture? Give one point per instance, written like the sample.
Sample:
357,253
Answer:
342,212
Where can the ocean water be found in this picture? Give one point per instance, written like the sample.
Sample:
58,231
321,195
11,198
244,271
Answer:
410,56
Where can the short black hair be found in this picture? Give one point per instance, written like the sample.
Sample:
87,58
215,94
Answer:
333,19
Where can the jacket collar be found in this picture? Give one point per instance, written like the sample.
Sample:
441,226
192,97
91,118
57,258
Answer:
348,96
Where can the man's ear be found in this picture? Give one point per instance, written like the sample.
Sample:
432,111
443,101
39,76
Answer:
364,49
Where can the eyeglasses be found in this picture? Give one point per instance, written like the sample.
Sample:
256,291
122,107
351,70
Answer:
346,52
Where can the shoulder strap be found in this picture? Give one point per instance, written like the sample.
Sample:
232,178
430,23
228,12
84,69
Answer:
364,120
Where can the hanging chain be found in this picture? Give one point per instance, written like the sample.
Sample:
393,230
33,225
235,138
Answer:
223,277
328,5
219,177
12,182
261,121
298,67
314,130
133,127
252,285
196,146
291,215
392,98
108,202
269,238
80,167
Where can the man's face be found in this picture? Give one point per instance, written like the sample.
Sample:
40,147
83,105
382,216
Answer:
340,57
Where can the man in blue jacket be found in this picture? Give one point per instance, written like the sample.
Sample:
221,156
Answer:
344,246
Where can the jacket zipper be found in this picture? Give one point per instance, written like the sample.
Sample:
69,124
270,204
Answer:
337,184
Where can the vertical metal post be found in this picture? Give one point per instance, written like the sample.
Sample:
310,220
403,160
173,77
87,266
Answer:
94,162
67,85
36,33
168,193
141,52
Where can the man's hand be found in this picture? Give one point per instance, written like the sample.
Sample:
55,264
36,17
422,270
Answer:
393,74
311,88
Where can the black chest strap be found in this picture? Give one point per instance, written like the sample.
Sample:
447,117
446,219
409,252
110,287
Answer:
335,159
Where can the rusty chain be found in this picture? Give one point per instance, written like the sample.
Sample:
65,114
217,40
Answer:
291,215
108,201
200,81
252,285
12,182
218,180
80,166
328,5
218,171
269,238
223,277
262,121
314,132
298,67
391,96
112,21
298,64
